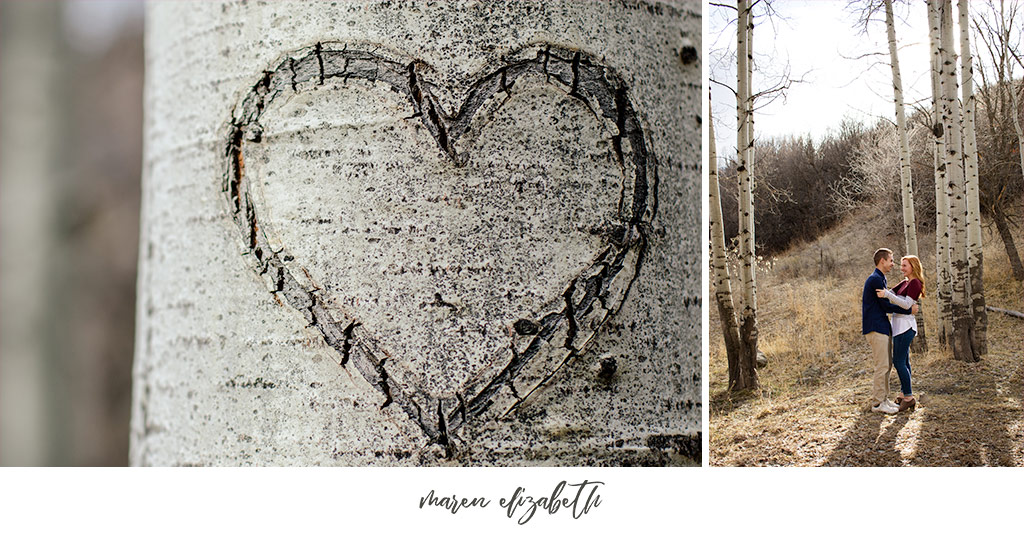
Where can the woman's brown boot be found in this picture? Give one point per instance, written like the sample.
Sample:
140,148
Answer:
907,404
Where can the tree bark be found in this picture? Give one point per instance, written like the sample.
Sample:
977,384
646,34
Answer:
1003,228
1015,93
963,321
943,294
372,243
909,228
747,378
920,342
974,250
720,264
1011,313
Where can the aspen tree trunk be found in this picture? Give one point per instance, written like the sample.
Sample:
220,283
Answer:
974,250
943,291
920,342
963,320
1003,228
747,378
420,234
720,263
909,228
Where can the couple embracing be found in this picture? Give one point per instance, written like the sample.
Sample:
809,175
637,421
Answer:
883,336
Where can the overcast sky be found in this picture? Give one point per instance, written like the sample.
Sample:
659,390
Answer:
821,44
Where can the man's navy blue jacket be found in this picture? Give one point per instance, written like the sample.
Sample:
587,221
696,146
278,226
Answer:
873,309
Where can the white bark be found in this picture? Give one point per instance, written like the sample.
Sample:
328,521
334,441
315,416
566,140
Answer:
719,258
974,250
747,375
963,321
970,138
750,280
943,302
746,239
909,227
720,261
458,202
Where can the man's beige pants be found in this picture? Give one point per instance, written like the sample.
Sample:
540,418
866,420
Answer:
881,361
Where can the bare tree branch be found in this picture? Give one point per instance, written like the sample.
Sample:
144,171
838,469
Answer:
724,85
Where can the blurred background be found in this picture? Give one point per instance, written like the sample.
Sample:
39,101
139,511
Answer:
71,78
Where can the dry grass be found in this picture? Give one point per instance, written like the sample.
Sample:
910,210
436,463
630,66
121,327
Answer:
812,408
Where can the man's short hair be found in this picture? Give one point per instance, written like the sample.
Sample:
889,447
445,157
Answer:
882,253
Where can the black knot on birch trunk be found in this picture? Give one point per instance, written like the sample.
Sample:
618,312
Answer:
608,369
688,54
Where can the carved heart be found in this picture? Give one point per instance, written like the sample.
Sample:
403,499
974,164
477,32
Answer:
354,248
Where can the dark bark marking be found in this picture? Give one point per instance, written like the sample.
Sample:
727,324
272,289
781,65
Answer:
320,61
346,347
291,67
440,302
442,429
384,386
608,369
570,316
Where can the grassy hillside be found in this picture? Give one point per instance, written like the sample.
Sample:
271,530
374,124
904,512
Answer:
813,410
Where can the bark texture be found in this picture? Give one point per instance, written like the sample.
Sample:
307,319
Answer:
720,263
906,182
1003,228
920,343
943,294
963,320
975,259
747,374
420,234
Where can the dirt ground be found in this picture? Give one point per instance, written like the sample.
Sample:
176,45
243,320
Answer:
812,408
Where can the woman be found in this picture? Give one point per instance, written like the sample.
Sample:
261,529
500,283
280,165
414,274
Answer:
904,327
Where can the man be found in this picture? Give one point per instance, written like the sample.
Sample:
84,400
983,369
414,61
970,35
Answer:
878,331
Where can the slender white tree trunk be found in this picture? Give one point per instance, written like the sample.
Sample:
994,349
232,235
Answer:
747,375
419,235
720,263
909,228
943,291
963,321
907,186
974,249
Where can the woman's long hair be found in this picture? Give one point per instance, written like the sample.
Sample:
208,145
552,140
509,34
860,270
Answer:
915,270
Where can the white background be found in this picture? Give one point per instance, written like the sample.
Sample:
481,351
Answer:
635,502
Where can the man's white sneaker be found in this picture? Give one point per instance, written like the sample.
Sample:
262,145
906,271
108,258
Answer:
886,407
895,408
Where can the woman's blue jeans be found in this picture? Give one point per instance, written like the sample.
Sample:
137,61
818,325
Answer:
901,359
